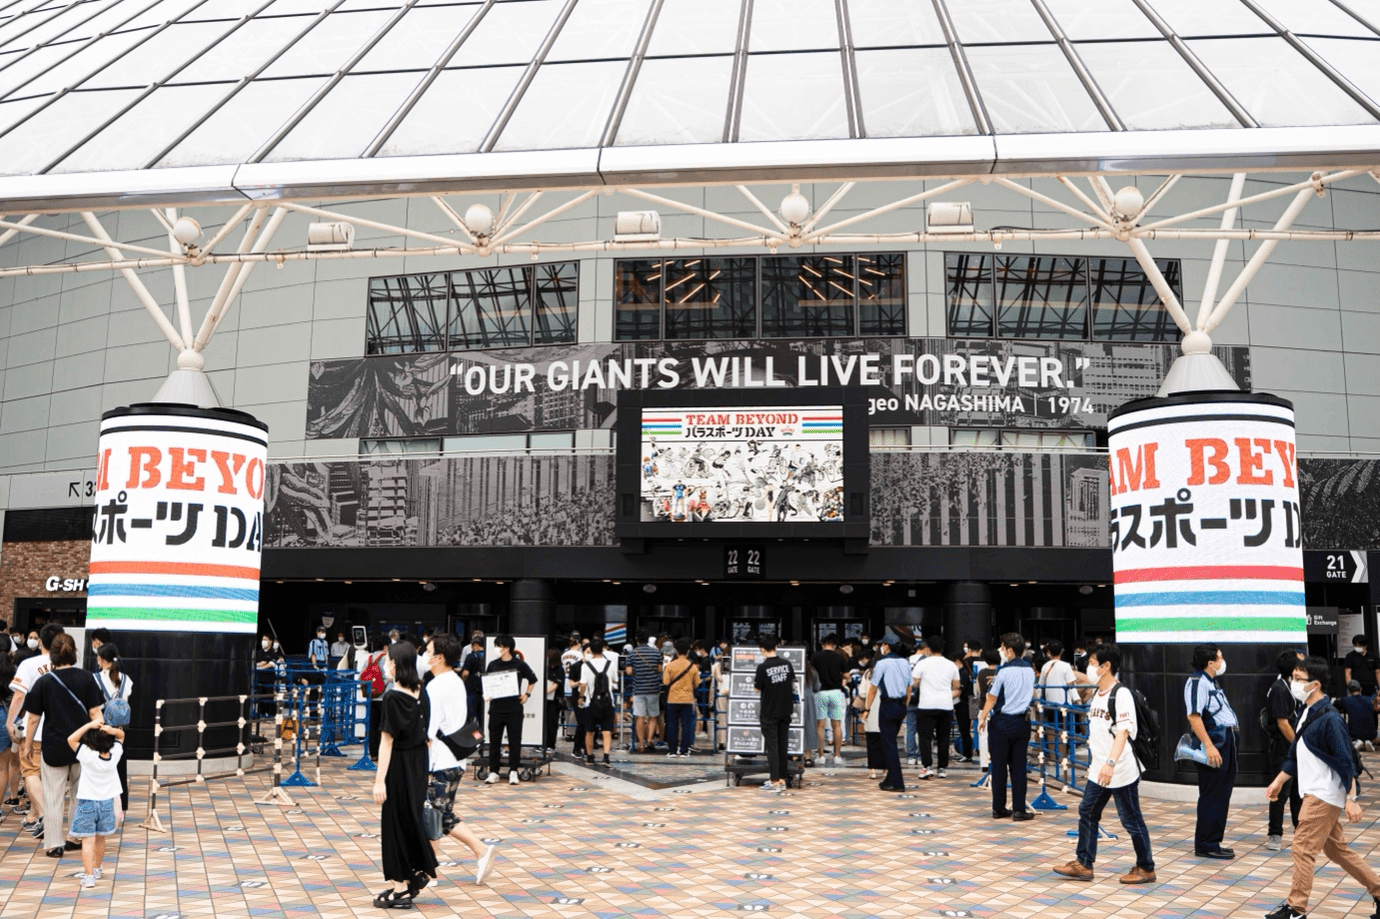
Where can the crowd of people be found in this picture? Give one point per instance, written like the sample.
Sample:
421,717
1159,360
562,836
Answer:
62,764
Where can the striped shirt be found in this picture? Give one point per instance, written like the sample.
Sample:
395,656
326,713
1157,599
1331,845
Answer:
644,661
891,676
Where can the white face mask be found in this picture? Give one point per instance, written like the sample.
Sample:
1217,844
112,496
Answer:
320,634
265,643
1092,674
1299,690
32,642
1221,666
275,646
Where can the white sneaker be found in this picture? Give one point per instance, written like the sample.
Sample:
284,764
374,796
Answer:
925,772
1275,843
512,778
486,864
96,874
940,773
911,761
492,779
838,761
88,881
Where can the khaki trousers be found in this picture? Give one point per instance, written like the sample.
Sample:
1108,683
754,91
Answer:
1320,830
58,782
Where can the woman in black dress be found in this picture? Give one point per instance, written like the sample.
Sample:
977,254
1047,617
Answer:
409,862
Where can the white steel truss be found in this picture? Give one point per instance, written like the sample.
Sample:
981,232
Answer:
1124,215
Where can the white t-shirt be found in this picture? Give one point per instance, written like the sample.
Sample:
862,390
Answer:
936,675
1059,673
25,676
1100,737
126,689
1315,777
570,658
592,667
99,781
449,712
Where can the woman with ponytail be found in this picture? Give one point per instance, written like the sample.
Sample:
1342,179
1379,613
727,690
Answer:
115,683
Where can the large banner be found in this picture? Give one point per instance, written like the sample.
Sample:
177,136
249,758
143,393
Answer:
742,464
909,381
1206,533
177,531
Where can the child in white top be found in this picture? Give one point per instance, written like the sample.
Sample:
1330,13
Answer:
98,747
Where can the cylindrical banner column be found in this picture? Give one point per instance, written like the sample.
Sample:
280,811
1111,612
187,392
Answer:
1207,546
177,536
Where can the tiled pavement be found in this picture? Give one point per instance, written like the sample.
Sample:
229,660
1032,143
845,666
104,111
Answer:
583,843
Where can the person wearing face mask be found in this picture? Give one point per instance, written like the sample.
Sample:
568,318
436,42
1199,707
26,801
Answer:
1363,666
1114,773
318,652
1320,761
1008,700
1281,711
1213,722
266,674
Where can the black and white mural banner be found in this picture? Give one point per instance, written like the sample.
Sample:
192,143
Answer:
910,381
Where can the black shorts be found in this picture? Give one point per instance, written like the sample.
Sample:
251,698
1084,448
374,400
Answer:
596,717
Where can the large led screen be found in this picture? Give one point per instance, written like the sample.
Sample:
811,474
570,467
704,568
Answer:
742,464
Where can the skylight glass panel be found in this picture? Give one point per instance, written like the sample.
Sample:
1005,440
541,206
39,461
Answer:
343,123
455,113
241,125
157,58
137,135
1369,10
418,39
1032,90
26,65
243,51
509,33
793,97
1314,17
678,101
1355,60
159,13
912,92
296,7
81,60
1276,84
595,31
885,23
1152,88
980,21
1103,19
696,27
566,107
39,140
11,112
326,48
793,25
225,9
1196,18
45,26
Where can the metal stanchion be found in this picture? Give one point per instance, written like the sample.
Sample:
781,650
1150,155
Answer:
276,795
365,763
1043,801
297,779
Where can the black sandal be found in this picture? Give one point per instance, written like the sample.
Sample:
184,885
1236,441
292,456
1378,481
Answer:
56,852
391,899
417,884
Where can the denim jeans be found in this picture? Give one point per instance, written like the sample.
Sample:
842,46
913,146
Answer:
912,748
1127,799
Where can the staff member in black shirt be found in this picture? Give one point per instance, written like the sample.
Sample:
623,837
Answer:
1283,712
507,712
1362,666
775,681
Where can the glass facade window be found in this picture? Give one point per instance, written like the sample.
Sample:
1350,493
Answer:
810,296
992,437
562,441
882,438
399,447
637,300
969,282
406,314
710,297
1041,297
1055,297
506,307
1125,305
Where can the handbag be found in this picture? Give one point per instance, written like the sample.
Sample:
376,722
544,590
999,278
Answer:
1190,749
431,821
464,742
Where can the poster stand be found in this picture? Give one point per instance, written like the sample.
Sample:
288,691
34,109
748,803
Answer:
744,748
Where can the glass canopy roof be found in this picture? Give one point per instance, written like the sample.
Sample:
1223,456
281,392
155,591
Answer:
94,86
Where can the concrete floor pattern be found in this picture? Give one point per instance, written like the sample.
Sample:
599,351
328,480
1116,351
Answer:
586,844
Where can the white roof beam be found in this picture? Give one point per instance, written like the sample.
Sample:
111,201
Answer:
1262,254
140,291
1219,251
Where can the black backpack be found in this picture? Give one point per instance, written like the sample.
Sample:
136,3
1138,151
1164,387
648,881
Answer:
1146,744
601,695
